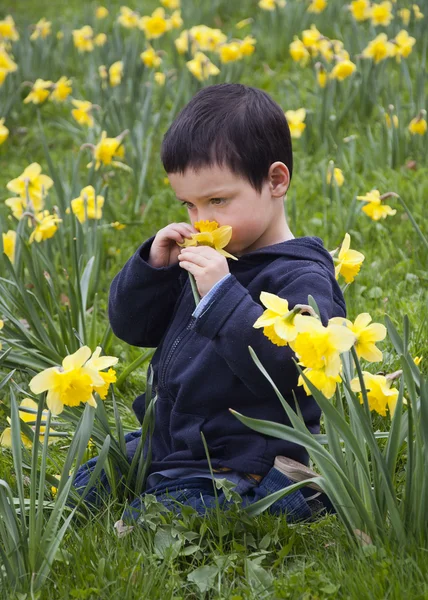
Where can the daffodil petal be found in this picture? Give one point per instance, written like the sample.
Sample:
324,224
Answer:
78,359
43,381
274,303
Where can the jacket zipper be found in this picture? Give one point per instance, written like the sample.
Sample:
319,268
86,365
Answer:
173,348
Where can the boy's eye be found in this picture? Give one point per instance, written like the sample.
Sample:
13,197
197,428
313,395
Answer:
217,200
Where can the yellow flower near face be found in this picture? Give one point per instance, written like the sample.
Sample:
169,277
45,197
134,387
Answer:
83,38
160,78
295,120
4,132
9,241
74,381
155,25
277,321
367,334
230,52
150,58
374,207
298,51
46,227
402,45
128,18
342,70
317,6
100,39
8,29
39,92
107,149
348,263
319,347
360,9
418,125
404,14
201,67
210,234
170,4
326,385
82,112
379,48
86,206
338,177
6,65
101,12
31,181
62,89
381,14
380,394
115,73
30,418
41,29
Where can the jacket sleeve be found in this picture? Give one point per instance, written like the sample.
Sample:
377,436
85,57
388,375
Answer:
229,321
142,299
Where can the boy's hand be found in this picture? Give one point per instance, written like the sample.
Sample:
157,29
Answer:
164,251
206,265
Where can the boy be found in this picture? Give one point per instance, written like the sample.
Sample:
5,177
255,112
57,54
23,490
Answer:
228,157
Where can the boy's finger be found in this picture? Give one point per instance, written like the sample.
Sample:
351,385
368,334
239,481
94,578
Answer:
196,259
191,267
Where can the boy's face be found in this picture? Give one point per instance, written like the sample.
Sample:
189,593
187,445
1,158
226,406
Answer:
216,194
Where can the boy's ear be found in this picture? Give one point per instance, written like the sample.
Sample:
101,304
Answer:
279,179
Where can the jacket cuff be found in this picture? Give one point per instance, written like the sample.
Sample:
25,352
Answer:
230,294
142,257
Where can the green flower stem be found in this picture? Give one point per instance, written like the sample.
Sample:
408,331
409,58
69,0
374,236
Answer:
194,289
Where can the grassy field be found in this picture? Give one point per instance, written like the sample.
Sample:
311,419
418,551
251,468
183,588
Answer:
234,557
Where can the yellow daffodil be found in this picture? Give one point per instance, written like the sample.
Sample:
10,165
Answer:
380,394
170,4
62,89
267,4
319,347
201,67
343,69
317,6
244,23
4,132
321,75
366,333
402,45
381,14
295,120
206,38
338,176
277,321
417,360
39,92
117,225
73,382
404,14
155,25
8,29
374,207
31,181
82,112
379,48
101,12
100,39
150,58
417,12
248,45
6,65
391,121
107,149
210,234
41,29
98,363
128,18
175,20
418,125
18,206
160,78
312,38
46,227
327,385
85,206
230,52
115,73
83,38
182,42
360,9
9,241
298,51
30,418
349,262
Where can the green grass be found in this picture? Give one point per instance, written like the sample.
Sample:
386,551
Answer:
262,557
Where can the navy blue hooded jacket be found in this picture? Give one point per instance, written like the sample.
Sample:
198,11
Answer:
202,366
